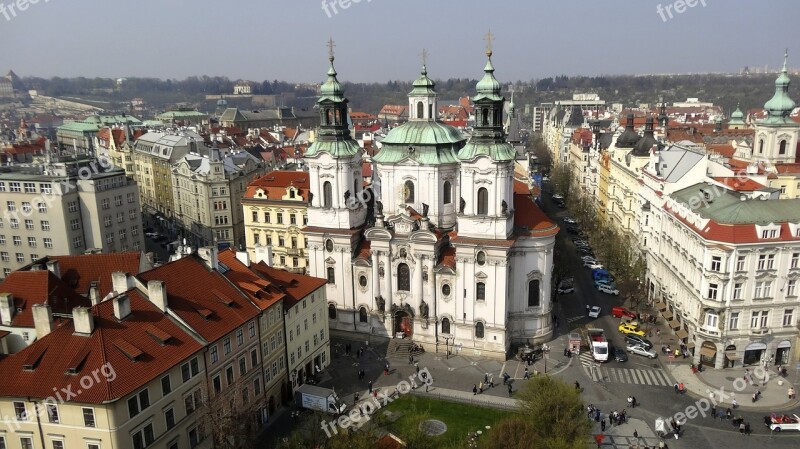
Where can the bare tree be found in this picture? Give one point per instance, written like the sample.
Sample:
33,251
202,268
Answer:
233,416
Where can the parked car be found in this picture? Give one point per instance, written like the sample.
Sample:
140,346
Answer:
630,329
570,220
618,353
561,204
608,289
619,312
640,350
573,230
585,258
586,251
557,197
565,286
599,282
594,266
637,340
594,312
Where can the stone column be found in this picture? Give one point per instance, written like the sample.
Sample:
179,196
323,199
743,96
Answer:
431,285
376,279
387,270
416,282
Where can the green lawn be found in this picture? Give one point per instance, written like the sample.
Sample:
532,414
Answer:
460,418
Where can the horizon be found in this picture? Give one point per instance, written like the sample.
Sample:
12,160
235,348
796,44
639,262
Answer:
532,40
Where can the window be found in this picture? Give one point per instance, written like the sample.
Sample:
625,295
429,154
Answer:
251,329
791,285
105,203
17,240
190,369
362,280
242,366
447,192
480,258
138,402
226,345
362,315
48,242
135,230
327,195
26,442
32,242
14,187
169,418
45,225
716,263
75,224
143,437
2,240
712,320
123,234
110,238
193,401
733,321
42,208
88,417
14,223
239,337
217,381
331,313
131,198
331,275
329,245
292,219
30,187
254,357
737,290
20,257
26,207
280,220
196,436
483,201
771,262
11,206
788,317
58,444
480,291
229,374
759,319
795,261
4,256
281,241
20,412
712,291
72,206
762,261
52,413
408,192
533,293
479,329
257,386
782,147
403,277
445,325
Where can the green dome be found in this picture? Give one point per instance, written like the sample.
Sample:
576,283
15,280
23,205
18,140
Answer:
496,151
423,86
737,114
423,133
331,90
780,105
488,87
336,148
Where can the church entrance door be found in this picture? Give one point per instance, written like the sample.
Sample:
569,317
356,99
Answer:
403,324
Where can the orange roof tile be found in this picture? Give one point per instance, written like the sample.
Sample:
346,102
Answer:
80,271
740,184
275,183
263,293
39,287
295,286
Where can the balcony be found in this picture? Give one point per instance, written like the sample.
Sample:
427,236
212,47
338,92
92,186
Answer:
707,332
759,331
297,270
294,251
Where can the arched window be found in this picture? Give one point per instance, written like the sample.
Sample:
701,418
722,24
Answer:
327,116
338,117
420,110
533,293
445,326
403,278
485,116
761,146
483,201
430,111
408,192
327,195
331,275
480,291
362,315
479,330
480,258
448,192
331,311
782,149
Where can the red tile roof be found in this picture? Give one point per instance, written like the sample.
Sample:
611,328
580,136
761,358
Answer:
735,234
740,184
725,149
449,257
296,286
788,169
275,183
364,250
528,215
39,287
262,292
79,271
188,282
366,169
54,354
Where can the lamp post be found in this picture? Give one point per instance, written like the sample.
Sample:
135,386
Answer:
447,346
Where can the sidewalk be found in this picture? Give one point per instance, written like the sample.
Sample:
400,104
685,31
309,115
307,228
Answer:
622,436
445,394
773,393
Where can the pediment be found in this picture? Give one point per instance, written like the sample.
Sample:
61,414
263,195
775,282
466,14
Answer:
330,260
481,275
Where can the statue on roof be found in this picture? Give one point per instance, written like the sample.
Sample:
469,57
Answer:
379,207
505,207
461,206
425,210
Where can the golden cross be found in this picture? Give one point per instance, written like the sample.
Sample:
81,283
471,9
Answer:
424,56
489,38
330,47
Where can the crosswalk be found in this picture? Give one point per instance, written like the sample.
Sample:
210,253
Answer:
634,376
575,318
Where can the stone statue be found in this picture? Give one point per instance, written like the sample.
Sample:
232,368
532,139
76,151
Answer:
461,206
423,309
425,210
346,196
379,207
505,207
381,303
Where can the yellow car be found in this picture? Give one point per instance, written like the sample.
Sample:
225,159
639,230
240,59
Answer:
628,329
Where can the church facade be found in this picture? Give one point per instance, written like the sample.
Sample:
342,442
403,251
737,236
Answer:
447,248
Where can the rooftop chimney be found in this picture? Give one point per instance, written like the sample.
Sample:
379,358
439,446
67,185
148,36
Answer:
122,306
6,308
264,254
119,281
210,254
243,257
94,293
157,292
82,320
42,319
52,266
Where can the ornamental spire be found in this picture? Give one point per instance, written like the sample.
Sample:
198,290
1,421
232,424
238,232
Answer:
489,37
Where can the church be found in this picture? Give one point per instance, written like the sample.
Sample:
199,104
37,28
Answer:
451,251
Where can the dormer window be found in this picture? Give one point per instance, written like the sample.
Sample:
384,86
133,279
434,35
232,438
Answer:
291,193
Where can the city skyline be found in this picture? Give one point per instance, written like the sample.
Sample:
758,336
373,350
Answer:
286,41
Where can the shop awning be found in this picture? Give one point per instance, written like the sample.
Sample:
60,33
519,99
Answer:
731,355
667,314
661,306
674,324
708,352
681,334
690,345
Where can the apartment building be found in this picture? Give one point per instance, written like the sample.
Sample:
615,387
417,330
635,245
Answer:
79,136
117,145
64,208
275,212
726,272
154,154
208,186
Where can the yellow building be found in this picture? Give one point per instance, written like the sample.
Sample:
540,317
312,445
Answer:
602,197
275,212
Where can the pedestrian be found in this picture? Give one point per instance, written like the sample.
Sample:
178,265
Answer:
474,389
658,332
741,428
636,434
527,375
480,388
355,398
509,390
676,387
416,366
747,428
597,415
486,378
711,397
566,352
633,403
714,412
426,387
587,309
370,386
683,391
577,385
603,424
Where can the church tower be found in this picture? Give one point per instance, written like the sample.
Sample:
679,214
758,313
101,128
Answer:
486,209
777,135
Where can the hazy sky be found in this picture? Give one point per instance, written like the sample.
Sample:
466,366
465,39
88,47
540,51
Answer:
379,40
